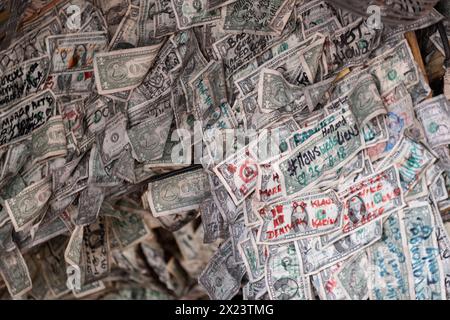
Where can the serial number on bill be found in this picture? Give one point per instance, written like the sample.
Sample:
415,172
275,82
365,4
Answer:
224,309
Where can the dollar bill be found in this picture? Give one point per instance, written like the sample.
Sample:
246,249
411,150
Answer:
217,278
282,16
189,13
365,101
434,116
26,206
129,229
369,199
254,290
354,277
258,19
236,50
274,92
432,17
447,83
97,253
238,173
157,82
73,252
113,139
75,83
113,12
225,204
392,274
209,90
296,70
316,257
322,153
164,19
325,27
326,284
18,123
420,190
14,271
213,223
424,252
400,118
148,138
30,45
395,67
75,52
351,45
22,80
443,241
310,215
439,190
89,204
411,159
49,141
284,274
268,185
179,193
123,70
249,253
316,94
147,111
313,13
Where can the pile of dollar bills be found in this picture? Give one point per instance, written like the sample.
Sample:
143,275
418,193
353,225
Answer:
248,149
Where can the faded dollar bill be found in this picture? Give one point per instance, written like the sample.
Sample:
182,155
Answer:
129,229
242,16
249,252
49,141
411,159
274,92
26,206
284,274
213,223
391,270
149,137
351,45
182,192
316,257
434,116
353,276
14,271
195,149
293,63
424,252
236,50
123,70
